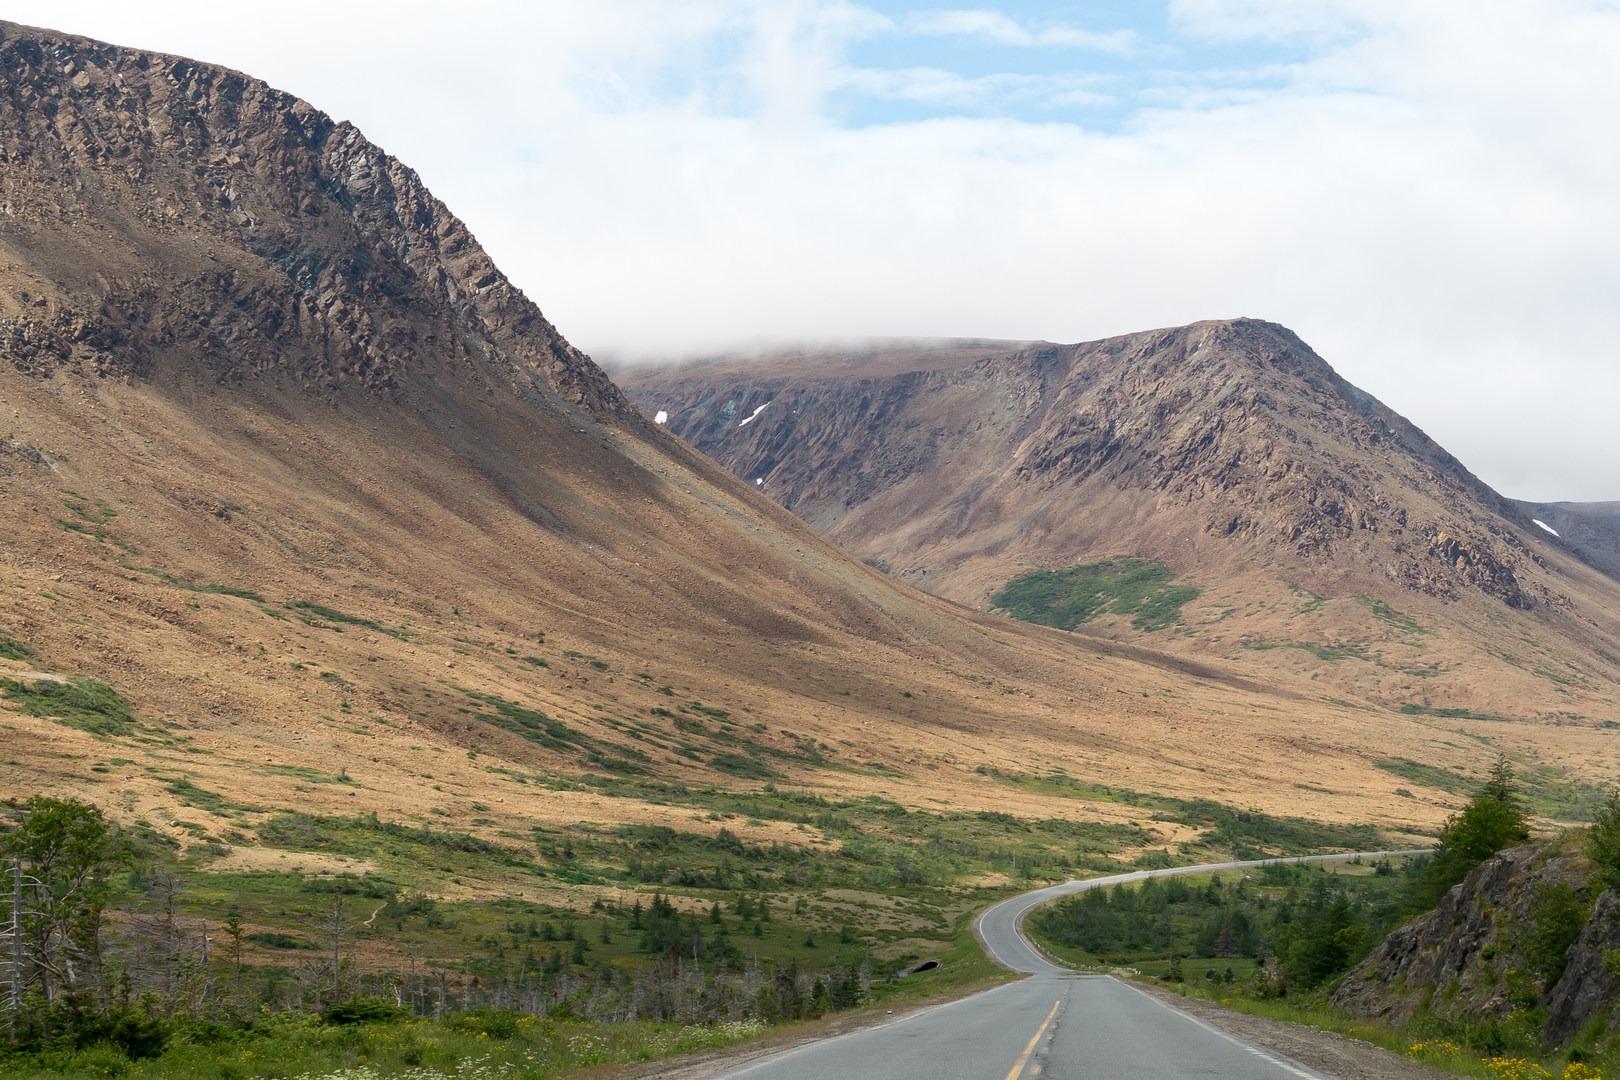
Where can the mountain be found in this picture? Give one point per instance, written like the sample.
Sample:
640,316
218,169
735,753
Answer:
1590,530
307,507
1325,535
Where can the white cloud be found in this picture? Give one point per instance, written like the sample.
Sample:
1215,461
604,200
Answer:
996,28
1007,90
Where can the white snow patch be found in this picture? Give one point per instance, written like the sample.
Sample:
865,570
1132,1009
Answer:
661,418
1545,526
756,412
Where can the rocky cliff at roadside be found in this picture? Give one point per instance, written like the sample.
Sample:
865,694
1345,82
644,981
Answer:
1489,953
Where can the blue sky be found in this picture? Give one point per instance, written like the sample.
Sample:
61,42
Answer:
1091,65
1423,191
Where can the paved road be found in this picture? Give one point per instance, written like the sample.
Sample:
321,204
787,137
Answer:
1055,1024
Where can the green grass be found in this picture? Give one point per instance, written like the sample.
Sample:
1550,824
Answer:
1067,598
1414,709
191,795
308,774
1429,776
531,724
79,703
1332,653
745,767
1386,614
476,1045
206,587
1309,602
312,613
12,649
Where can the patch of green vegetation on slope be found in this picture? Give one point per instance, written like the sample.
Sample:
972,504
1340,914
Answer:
1386,614
311,612
1331,652
1412,708
211,587
531,724
78,702
1079,594
12,649
1429,776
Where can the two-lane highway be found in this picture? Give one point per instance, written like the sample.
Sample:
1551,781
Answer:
1046,1026
1054,1024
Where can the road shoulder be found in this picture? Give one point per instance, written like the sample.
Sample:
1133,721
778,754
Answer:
1325,1051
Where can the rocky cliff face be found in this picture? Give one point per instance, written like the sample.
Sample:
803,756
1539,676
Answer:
154,208
1468,960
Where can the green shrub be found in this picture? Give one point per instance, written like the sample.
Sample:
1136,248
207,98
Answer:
364,1010
1492,820
1557,915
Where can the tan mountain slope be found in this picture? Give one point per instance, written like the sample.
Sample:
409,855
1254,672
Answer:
1328,536
287,463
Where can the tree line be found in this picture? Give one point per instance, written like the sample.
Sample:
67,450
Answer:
76,972
1301,927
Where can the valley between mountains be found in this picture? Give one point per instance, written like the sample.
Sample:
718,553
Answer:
316,536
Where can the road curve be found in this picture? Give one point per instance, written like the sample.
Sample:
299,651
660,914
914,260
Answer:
999,927
1056,1023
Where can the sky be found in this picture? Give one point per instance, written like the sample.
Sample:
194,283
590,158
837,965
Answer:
1426,191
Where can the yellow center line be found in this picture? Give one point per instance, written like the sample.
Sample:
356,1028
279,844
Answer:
1023,1058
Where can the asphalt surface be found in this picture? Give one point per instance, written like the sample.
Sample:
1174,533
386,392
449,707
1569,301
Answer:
1054,1024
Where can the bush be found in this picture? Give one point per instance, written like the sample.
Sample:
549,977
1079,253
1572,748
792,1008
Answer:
491,1023
364,1010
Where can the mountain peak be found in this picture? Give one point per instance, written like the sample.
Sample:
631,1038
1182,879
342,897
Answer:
164,216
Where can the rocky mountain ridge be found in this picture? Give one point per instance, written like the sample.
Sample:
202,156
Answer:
255,234
1227,450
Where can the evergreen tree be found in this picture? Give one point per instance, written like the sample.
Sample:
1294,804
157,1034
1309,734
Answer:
1492,820
62,848
1603,841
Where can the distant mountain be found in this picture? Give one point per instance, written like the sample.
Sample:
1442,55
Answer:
291,469
1325,533
1591,530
